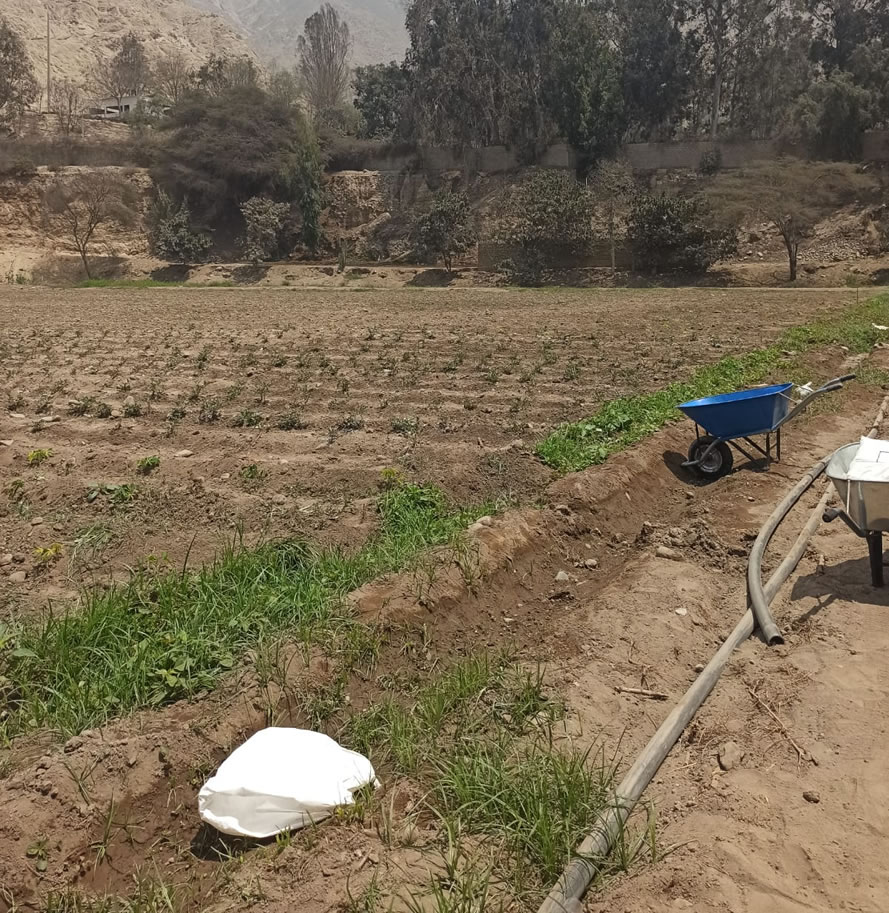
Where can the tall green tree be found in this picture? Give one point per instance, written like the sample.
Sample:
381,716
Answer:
771,66
585,84
456,62
528,123
658,54
381,99
18,87
841,26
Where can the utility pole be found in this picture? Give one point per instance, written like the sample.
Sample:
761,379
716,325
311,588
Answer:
48,63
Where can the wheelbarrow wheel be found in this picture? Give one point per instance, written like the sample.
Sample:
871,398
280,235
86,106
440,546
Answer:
718,462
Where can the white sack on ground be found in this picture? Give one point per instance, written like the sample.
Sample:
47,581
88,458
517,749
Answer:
281,779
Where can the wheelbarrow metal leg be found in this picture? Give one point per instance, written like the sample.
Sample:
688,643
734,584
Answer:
875,552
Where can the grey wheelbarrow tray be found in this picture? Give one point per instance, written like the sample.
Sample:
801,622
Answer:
865,507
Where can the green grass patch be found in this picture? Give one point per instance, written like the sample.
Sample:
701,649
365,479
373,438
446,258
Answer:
482,742
166,636
151,283
620,423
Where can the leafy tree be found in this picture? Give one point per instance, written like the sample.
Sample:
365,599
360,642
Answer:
869,67
170,233
83,203
324,50
672,234
219,151
549,209
455,60
18,87
790,194
381,92
842,26
585,86
219,75
127,73
528,123
447,229
284,87
658,53
831,117
264,220
769,67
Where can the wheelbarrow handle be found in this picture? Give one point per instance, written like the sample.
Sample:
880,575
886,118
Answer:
829,387
840,380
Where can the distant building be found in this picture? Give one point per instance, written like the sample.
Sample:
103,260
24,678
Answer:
118,109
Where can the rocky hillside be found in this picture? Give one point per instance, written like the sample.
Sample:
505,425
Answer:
272,26
86,30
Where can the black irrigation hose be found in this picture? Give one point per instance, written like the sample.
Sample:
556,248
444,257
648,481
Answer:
593,851
758,598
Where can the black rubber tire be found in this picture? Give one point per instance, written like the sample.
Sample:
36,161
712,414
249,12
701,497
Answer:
719,461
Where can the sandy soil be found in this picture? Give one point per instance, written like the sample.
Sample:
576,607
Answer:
744,840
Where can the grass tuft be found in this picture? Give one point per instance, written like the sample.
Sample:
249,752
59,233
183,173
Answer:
166,636
481,742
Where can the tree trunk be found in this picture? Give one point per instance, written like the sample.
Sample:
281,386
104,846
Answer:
792,251
717,95
85,261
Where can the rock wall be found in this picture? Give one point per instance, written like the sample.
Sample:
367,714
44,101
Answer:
25,223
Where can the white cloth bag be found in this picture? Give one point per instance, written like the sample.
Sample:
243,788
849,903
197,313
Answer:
281,779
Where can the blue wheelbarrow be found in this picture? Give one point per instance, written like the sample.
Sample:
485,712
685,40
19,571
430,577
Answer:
727,419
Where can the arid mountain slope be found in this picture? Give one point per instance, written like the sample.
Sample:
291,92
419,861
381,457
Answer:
272,26
85,30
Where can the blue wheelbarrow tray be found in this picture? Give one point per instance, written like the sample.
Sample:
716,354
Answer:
737,415
733,417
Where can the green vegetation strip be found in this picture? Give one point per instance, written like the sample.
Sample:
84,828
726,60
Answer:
513,795
620,423
166,636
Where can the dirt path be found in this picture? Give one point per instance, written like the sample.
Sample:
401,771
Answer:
776,833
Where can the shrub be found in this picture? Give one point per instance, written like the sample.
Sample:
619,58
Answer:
170,233
546,216
672,234
21,168
527,269
447,230
711,162
219,150
549,208
264,220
